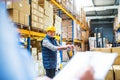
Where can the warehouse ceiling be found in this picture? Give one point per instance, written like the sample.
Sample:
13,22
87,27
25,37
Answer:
102,9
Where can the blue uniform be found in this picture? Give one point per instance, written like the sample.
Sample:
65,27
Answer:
49,56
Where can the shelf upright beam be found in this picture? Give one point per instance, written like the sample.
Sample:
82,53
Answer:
73,33
28,44
59,14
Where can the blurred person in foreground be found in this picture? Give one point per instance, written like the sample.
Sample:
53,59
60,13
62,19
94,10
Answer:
16,63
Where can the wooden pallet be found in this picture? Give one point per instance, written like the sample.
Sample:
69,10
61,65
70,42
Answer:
38,30
22,26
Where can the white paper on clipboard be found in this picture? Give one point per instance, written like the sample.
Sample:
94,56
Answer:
100,62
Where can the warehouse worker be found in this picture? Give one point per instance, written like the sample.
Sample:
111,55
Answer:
49,51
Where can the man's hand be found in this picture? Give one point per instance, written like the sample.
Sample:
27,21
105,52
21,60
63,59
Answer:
70,46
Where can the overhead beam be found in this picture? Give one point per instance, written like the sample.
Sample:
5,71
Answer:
102,22
87,9
99,17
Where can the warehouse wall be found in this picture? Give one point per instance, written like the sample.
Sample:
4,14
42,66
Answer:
107,30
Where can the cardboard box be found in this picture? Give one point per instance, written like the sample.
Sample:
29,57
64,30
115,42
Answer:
40,56
40,14
117,72
34,51
35,24
21,17
107,50
26,8
58,18
22,6
34,12
13,15
49,12
48,21
41,20
117,61
116,50
35,18
13,5
109,75
41,26
35,1
26,17
34,5
44,4
40,9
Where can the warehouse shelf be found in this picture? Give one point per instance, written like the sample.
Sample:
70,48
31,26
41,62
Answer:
118,41
35,35
69,14
78,41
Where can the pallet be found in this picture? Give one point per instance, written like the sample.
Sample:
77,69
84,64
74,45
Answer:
22,26
38,30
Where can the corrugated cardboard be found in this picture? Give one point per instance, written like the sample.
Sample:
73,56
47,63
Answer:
40,14
108,50
109,75
15,5
22,6
116,50
40,9
48,21
35,18
34,5
21,17
35,1
13,15
117,72
26,17
41,20
117,61
41,26
34,51
35,24
26,8
34,11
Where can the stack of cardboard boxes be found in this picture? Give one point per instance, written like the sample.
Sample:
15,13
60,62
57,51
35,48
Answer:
19,11
48,15
57,24
34,54
77,31
37,14
67,32
115,71
82,16
38,63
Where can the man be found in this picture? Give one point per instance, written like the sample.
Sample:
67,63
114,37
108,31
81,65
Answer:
49,51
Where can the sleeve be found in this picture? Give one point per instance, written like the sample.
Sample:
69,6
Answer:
50,46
